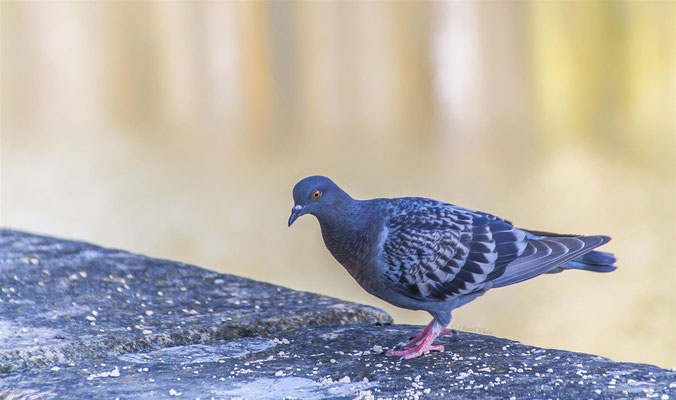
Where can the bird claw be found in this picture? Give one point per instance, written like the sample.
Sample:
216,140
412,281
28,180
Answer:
414,352
420,343
417,339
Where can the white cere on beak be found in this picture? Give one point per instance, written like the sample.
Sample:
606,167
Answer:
297,208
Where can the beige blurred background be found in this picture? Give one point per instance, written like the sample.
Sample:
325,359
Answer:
178,129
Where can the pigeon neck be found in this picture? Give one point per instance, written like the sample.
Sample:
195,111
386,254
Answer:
346,233
343,211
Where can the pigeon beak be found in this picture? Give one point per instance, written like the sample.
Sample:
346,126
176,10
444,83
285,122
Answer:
296,212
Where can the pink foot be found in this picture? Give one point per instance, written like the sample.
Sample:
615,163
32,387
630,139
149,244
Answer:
415,351
415,340
422,342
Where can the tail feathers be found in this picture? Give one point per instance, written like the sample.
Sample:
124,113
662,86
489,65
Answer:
595,261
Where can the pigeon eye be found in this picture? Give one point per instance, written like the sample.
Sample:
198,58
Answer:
316,194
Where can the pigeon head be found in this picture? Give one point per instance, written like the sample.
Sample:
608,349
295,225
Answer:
318,196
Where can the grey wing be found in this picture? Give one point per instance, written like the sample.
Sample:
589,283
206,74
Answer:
443,251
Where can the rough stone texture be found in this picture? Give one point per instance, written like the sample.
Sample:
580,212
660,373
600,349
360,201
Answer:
345,361
62,301
168,330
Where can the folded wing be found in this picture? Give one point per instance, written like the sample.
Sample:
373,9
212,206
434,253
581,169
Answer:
438,252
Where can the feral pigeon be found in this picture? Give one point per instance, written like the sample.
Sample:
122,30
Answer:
423,254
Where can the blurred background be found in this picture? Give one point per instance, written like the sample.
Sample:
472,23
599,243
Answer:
178,129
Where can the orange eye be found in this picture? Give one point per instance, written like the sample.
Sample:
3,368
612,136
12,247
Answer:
316,194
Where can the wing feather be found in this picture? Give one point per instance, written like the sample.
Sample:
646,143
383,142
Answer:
548,254
441,251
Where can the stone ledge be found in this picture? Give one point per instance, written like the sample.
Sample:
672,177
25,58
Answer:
347,361
82,321
62,301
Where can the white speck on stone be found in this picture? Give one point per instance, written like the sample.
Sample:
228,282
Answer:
377,349
90,318
114,373
672,385
173,392
464,375
550,370
82,274
54,369
665,397
332,361
24,330
149,313
147,331
366,395
119,289
279,373
282,341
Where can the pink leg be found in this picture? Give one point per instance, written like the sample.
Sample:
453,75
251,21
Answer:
422,342
417,338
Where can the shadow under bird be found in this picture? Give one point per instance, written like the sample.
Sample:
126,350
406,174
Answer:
424,254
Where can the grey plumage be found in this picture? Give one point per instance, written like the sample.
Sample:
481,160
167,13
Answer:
424,254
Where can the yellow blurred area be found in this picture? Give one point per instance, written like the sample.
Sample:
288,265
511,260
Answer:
178,129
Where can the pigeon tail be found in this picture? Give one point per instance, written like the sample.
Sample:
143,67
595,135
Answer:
594,261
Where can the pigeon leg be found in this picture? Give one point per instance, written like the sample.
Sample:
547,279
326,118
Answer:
415,340
423,344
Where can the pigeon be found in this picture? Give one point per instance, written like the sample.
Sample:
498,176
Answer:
422,254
